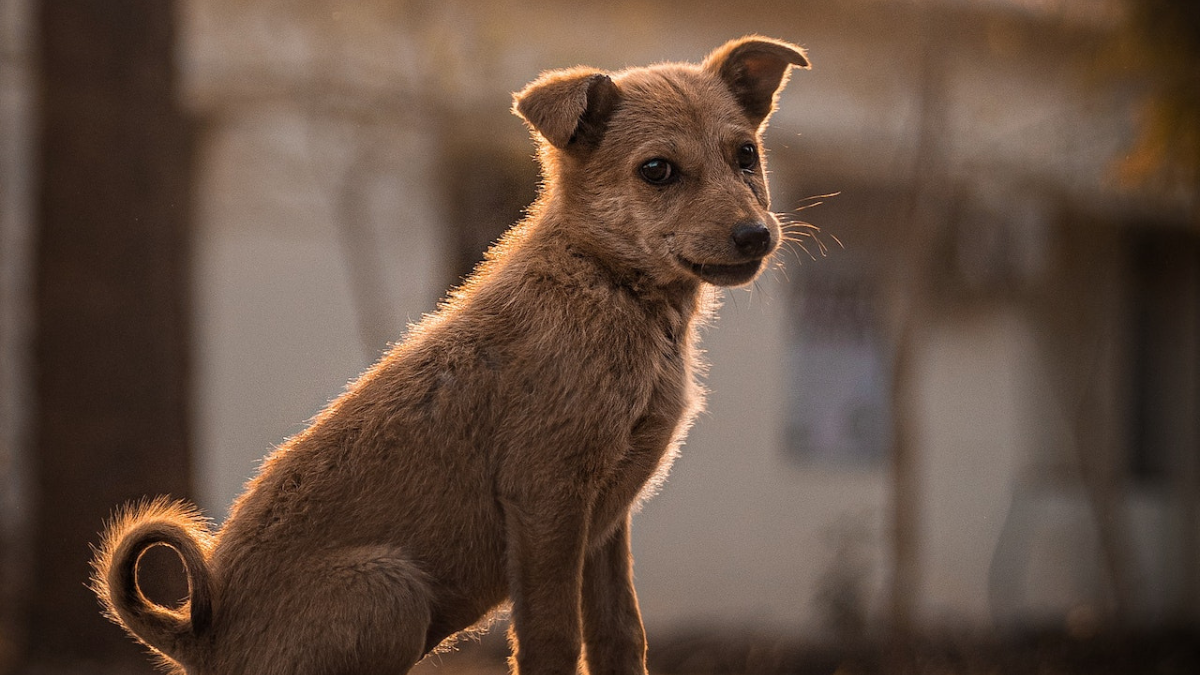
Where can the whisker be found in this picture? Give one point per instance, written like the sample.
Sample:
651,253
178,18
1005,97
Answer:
790,248
827,195
795,230
821,247
799,226
795,236
781,269
815,200
791,221
805,249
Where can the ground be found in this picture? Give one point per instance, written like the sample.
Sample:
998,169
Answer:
709,653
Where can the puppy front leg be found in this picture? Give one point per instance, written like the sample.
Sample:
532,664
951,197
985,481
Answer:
612,622
545,561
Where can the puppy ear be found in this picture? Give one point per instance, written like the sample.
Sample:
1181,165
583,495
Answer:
569,108
755,70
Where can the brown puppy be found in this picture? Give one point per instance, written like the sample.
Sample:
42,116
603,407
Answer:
496,452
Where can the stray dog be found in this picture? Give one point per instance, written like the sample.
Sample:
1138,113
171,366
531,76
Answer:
496,452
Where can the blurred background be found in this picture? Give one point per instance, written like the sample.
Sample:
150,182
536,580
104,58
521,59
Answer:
958,431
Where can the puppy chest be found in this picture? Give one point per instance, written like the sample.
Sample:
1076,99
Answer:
646,457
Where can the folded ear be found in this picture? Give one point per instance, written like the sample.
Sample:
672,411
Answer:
755,70
569,108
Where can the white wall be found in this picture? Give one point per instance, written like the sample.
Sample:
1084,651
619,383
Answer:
741,535
280,327
292,100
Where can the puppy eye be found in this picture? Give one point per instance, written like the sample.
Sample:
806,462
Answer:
747,156
658,172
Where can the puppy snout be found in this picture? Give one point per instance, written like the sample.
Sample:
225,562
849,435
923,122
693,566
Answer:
752,239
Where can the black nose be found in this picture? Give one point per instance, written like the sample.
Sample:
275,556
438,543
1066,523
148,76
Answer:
751,239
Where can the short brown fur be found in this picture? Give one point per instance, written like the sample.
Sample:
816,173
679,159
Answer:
495,454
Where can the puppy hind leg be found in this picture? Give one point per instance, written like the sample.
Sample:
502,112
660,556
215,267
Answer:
368,612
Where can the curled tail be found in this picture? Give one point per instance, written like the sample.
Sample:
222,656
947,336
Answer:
174,633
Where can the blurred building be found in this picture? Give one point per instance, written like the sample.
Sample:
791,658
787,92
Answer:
356,159
981,284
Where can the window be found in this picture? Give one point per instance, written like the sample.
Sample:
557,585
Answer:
838,399
489,187
1164,322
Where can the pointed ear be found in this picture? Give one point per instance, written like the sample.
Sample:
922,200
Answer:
755,70
569,108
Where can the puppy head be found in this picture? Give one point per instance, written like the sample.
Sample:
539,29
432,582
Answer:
660,169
